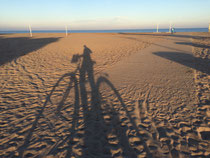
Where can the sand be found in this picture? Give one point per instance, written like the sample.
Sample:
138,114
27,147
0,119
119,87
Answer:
135,95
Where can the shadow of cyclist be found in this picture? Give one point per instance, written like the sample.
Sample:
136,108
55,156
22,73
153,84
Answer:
95,140
93,137
96,133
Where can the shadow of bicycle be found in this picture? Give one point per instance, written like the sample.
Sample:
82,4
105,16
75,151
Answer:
85,117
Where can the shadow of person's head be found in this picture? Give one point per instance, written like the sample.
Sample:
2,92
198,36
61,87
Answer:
87,50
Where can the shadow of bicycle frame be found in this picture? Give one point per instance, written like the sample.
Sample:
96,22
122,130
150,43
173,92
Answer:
92,114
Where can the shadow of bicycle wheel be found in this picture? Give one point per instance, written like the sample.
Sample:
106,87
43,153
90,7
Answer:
80,119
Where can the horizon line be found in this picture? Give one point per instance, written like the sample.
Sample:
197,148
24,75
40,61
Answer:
101,29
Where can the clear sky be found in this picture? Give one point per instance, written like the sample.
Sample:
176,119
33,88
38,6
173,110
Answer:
103,14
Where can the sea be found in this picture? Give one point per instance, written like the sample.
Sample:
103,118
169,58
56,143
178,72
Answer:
107,31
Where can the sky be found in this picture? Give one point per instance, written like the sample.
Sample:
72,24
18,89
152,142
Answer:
103,14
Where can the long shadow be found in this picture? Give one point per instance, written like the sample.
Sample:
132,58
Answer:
96,130
96,134
188,60
6,33
13,48
194,44
167,35
131,38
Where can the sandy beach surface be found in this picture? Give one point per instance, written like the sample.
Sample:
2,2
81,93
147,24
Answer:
105,95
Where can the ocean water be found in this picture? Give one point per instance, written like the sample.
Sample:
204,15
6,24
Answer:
108,31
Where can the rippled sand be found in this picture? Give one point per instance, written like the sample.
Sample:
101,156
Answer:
45,111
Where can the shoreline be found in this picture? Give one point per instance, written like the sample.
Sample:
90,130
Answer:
109,31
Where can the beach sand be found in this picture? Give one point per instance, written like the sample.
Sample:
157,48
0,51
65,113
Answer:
135,95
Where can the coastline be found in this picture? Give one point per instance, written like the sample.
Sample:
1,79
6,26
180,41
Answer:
109,31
